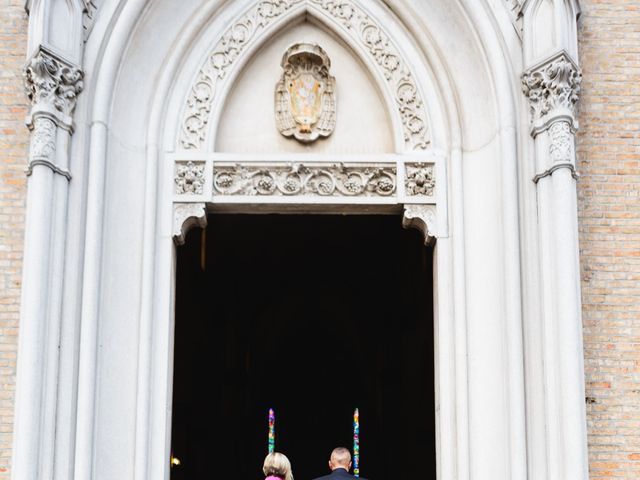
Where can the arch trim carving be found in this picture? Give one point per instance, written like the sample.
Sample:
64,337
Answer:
353,19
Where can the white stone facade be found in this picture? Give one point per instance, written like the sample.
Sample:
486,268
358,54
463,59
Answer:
457,114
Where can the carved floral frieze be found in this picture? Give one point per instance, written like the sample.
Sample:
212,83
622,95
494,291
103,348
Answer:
305,180
189,178
419,179
50,81
552,87
363,29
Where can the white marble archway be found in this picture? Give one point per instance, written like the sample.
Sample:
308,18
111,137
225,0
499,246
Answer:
97,318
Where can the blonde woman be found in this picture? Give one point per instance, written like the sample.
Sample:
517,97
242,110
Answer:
277,467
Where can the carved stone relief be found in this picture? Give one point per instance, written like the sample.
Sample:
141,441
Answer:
89,11
305,104
189,178
561,147
358,24
52,82
552,86
43,139
310,180
419,179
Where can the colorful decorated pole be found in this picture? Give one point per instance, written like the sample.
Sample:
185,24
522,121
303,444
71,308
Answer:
272,430
356,443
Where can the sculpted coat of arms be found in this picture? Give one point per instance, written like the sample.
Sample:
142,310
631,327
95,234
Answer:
305,101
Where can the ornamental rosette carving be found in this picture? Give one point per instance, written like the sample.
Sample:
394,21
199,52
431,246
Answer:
357,23
53,82
305,180
189,178
552,87
419,179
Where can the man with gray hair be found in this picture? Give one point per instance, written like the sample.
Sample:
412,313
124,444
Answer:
339,464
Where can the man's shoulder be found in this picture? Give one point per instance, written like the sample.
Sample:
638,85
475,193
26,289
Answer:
335,476
325,477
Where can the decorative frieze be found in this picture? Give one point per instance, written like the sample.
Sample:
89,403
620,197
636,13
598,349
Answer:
365,31
419,179
305,180
553,88
52,84
189,178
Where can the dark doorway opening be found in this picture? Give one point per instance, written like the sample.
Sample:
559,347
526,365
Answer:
312,315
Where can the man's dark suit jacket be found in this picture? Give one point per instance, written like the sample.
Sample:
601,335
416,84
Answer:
339,474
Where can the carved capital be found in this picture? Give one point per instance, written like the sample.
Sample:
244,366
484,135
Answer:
185,217
553,88
422,218
52,85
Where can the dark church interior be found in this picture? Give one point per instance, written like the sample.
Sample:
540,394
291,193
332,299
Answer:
313,316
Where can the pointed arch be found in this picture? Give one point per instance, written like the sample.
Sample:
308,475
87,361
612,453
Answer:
370,42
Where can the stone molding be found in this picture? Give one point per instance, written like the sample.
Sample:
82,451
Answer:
245,31
52,85
238,183
389,179
422,218
552,87
89,11
185,217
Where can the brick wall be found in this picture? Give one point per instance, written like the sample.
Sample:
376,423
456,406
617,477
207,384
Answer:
609,204
13,152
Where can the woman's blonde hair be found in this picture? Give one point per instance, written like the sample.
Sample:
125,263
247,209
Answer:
278,465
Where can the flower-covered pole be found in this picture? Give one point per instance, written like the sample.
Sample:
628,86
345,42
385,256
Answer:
272,430
356,443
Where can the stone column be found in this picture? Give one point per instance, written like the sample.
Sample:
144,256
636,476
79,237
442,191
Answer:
552,87
52,85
